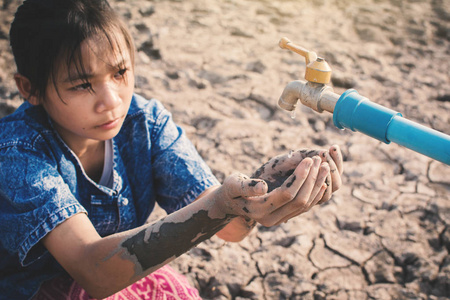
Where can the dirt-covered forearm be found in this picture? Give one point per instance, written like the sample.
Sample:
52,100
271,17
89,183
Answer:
149,247
169,238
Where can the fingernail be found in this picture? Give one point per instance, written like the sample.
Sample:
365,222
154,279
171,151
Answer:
308,162
260,187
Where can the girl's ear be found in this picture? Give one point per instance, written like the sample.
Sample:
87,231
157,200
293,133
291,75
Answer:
24,86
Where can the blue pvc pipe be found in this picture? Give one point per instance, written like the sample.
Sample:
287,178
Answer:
419,138
358,113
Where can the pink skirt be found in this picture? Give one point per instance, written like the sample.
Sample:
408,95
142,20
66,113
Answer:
163,284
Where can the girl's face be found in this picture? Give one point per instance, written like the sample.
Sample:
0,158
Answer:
92,111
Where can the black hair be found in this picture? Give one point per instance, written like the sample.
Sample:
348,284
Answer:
45,32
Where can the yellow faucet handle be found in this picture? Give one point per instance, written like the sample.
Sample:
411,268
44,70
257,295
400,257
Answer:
317,69
285,43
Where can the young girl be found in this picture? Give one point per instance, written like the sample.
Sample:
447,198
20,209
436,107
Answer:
83,161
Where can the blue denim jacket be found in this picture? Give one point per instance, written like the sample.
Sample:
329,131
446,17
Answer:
42,183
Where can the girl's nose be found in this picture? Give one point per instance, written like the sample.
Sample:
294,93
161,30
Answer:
108,98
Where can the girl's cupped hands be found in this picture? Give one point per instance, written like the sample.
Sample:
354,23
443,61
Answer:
284,187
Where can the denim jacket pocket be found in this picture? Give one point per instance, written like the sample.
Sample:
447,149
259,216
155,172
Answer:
111,214
104,214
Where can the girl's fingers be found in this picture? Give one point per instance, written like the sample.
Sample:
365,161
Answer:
324,173
335,179
328,190
239,185
262,208
304,192
312,182
291,186
336,154
318,198
321,195
335,167
298,198
296,182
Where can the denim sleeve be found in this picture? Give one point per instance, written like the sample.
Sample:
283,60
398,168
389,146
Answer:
179,171
34,200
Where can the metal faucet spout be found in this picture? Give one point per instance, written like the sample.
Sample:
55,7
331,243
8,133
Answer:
316,96
291,93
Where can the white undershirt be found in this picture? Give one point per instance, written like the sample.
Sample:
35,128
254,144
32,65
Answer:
107,178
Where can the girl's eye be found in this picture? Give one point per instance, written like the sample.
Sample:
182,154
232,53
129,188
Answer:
121,73
82,87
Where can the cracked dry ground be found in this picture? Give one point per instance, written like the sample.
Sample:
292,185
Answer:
385,234
396,248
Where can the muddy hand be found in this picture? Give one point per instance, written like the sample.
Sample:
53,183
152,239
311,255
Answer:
301,190
235,190
334,181
294,183
279,168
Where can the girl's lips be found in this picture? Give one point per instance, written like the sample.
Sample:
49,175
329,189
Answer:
110,125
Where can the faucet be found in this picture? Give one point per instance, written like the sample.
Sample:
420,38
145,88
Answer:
313,93
357,113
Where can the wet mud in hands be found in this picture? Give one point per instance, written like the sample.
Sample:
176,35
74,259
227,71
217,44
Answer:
277,170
